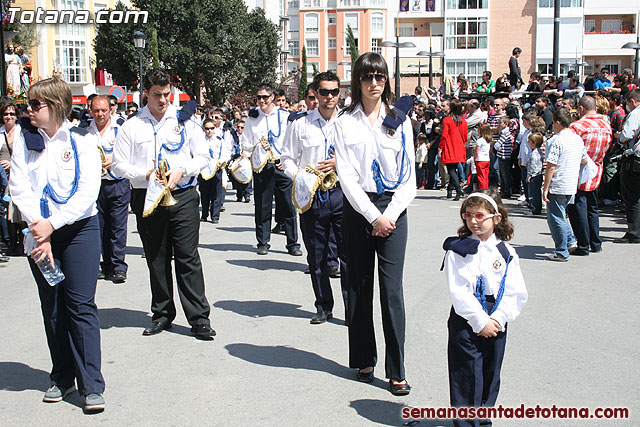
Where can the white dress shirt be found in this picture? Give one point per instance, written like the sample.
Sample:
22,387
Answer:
140,141
462,275
258,127
357,144
220,146
31,170
106,140
307,142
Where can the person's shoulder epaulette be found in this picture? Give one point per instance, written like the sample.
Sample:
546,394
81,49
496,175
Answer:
463,246
253,112
187,111
120,121
402,107
83,124
79,130
295,115
32,138
132,115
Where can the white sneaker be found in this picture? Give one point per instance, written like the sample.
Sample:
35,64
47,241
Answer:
555,257
522,198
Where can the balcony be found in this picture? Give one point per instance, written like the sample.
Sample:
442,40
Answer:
609,7
607,44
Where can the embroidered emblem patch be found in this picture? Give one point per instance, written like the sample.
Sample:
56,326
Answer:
177,129
67,154
498,264
391,132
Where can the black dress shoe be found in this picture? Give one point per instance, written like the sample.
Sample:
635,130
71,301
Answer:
203,331
247,199
156,327
307,270
4,258
238,199
101,275
215,221
294,252
579,252
222,209
118,276
627,238
364,378
334,272
321,317
263,250
203,219
399,389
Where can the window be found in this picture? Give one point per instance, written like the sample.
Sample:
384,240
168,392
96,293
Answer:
351,19
332,66
467,4
547,69
375,46
589,25
467,33
406,29
377,3
313,48
351,2
612,26
347,71
71,60
311,23
377,23
332,43
613,66
563,3
294,48
293,4
333,18
471,69
310,68
69,29
347,50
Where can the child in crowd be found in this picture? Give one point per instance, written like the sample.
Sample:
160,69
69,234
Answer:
534,172
421,160
481,156
488,291
503,148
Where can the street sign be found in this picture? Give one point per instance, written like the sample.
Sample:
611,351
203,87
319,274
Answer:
118,92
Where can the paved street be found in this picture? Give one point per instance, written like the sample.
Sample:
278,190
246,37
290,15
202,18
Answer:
575,344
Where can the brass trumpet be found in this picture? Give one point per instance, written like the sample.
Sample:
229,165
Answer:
103,158
168,200
328,180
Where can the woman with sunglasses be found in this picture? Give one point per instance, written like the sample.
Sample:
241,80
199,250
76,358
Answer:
11,222
375,164
55,180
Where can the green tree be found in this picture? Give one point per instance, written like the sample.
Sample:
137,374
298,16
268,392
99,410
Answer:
353,44
315,69
303,74
115,52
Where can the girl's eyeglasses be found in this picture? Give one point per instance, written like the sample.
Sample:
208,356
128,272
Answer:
478,216
368,78
36,104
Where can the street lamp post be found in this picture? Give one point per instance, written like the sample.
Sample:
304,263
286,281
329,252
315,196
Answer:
139,41
397,45
419,67
636,46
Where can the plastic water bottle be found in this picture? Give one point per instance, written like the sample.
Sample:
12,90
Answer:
53,275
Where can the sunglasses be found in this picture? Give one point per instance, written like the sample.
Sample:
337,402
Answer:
217,117
263,97
36,104
9,114
326,92
368,78
208,128
311,97
479,216
239,127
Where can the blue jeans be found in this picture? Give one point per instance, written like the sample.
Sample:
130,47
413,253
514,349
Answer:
504,169
535,193
559,225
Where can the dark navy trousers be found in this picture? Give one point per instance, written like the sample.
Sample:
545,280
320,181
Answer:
268,182
212,193
69,310
474,367
361,249
316,225
585,221
173,231
113,212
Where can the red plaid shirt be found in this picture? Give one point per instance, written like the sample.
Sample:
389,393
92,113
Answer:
595,131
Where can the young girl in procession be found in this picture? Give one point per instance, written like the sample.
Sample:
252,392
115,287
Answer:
488,291
55,180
